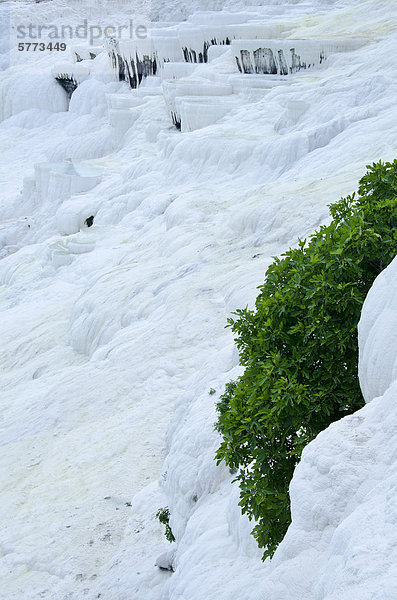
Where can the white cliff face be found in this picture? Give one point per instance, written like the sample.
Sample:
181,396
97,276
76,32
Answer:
377,336
343,491
125,245
342,541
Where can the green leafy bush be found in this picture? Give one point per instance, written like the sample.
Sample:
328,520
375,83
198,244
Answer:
299,349
163,515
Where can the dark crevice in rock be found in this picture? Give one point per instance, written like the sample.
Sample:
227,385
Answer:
135,69
192,56
68,83
283,63
297,64
176,120
246,61
264,61
121,65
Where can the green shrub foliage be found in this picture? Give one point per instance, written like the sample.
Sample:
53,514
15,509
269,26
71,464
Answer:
299,349
163,515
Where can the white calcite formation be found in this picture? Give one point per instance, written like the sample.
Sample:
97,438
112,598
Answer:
81,53
125,244
174,51
286,57
134,60
56,182
378,336
70,75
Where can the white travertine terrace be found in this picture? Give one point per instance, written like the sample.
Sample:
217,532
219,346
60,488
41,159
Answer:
285,57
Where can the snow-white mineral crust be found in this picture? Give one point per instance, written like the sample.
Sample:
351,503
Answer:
125,245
